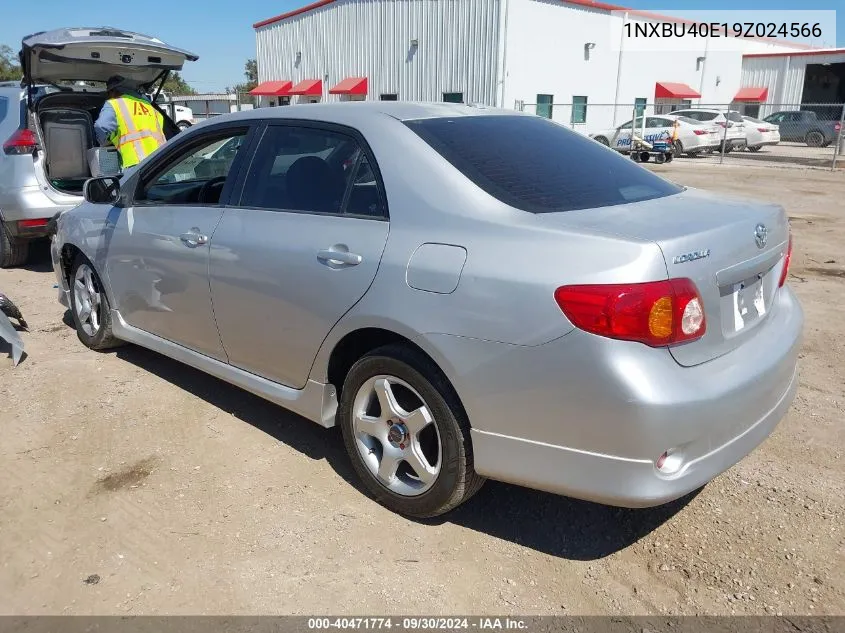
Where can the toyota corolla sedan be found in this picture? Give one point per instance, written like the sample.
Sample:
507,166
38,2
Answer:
468,293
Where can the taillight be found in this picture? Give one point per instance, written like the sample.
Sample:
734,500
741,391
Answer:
32,224
21,142
657,313
720,124
762,129
786,260
836,126
700,132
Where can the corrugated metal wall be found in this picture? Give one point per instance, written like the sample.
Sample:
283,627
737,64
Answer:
458,47
783,76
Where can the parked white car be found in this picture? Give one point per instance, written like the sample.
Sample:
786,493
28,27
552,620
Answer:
759,133
731,119
693,136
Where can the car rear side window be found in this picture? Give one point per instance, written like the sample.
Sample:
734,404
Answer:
4,108
535,165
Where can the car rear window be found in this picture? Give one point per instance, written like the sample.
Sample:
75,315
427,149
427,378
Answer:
535,165
735,117
686,119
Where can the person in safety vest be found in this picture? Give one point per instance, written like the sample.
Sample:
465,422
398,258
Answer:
130,123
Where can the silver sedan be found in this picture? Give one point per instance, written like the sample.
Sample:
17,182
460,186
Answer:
469,293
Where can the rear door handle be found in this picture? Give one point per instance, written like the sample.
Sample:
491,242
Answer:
336,256
193,238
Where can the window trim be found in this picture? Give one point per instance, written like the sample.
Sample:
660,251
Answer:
240,184
158,164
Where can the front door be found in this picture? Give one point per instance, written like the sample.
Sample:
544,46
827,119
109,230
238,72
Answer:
157,261
299,250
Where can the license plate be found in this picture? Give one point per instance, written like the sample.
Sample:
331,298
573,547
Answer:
749,303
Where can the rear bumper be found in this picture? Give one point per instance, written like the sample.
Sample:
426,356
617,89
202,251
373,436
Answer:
28,203
588,417
615,480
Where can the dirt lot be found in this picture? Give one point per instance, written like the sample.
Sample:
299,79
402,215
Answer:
132,484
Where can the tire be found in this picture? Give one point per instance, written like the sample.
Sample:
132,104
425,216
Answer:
814,138
183,125
410,378
13,251
602,140
678,147
754,148
84,285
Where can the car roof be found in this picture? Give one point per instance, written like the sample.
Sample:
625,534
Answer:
354,110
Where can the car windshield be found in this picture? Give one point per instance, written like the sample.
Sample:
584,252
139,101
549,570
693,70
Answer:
534,165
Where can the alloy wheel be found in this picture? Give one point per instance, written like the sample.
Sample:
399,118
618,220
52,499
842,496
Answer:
396,436
87,300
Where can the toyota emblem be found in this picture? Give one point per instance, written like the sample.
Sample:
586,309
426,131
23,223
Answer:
761,235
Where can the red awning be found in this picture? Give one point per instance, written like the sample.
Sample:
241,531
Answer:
670,90
752,94
272,89
308,87
350,86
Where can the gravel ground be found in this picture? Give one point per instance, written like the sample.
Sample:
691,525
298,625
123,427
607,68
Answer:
134,485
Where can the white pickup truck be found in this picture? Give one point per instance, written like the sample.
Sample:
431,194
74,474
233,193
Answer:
183,116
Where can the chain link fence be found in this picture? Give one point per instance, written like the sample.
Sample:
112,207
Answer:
790,135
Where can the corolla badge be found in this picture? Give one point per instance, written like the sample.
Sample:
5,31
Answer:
761,235
691,257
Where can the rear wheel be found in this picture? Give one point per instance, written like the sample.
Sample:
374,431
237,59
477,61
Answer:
406,433
678,147
183,125
814,139
755,148
90,307
13,251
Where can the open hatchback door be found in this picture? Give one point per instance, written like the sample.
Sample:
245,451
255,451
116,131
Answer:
95,54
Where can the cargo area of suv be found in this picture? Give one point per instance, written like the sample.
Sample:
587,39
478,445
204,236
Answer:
47,128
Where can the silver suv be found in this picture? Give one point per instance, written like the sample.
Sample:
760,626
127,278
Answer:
47,121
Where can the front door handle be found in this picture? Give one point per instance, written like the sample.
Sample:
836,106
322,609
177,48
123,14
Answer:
338,255
193,238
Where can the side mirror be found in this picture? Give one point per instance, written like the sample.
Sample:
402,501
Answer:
104,190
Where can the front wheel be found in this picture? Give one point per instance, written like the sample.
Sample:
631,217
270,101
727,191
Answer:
183,125
406,433
90,308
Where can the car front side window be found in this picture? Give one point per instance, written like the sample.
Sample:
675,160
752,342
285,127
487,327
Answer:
195,176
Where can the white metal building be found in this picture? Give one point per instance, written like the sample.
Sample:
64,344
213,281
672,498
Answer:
495,52
786,80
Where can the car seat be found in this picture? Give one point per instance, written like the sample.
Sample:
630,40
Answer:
313,186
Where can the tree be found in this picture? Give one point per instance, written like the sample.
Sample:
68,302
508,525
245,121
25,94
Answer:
175,85
9,67
251,74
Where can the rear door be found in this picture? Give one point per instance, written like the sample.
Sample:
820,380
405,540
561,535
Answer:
157,256
299,249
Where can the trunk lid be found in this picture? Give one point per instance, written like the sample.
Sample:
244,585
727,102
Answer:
732,249
95,54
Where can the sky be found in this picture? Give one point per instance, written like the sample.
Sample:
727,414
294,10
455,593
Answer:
221,33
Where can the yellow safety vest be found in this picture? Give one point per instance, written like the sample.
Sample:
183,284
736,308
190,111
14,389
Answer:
139,129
